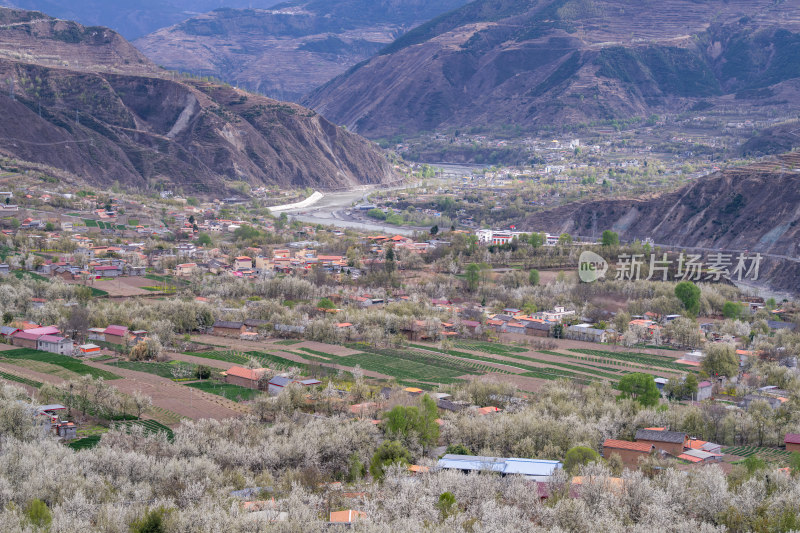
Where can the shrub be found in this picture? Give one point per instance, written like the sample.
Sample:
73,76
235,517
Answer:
203,372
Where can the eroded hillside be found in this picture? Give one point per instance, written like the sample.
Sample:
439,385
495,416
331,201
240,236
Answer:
73,104
534,64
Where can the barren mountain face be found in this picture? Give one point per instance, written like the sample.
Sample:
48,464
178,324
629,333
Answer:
291,49
86,101
532,63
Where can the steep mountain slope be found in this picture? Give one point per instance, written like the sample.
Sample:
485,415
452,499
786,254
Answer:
84,100
536,62
131,18
754,208
290,49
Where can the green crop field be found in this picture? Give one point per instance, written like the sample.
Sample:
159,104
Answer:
85,443
157,368
226,390
150,427
770,455
19,274
18,379
635,357
73,365
287,342
90,223
242,358
488,347
277,362
403,369
531,370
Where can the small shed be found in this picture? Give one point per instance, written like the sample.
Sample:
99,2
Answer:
277,384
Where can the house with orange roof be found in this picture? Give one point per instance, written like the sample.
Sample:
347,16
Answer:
346,517
629,452
243,262
417,469
244,377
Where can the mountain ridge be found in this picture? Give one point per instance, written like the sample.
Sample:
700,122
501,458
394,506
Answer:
290,49
88,102
550,62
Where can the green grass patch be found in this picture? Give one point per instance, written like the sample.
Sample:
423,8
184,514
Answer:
85,443
33,275
150,427
98,293
90,223
232,392
162,369
73,365
287,342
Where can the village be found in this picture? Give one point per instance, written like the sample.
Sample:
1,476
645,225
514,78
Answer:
128,314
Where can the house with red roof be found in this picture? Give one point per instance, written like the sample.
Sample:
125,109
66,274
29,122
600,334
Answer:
116,335
23,339
792,441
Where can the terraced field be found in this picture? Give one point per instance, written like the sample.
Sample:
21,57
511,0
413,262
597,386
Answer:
645,359
412,365
488,347
545,372
150,427
771,455
157,368
226,390
19,379
22,356
242,358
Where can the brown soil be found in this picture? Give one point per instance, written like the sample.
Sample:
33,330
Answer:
186,401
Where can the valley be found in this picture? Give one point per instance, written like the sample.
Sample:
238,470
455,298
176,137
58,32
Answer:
400,265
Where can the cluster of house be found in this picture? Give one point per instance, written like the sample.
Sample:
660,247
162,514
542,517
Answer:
536,324
666,443
50,338
255,378
46,339
50,415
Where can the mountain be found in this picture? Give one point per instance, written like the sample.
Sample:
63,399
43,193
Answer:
82,99
131,18
535,63
755,208
290,49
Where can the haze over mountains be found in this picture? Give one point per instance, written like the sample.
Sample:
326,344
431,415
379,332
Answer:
131,18
291,49
86,101
534,63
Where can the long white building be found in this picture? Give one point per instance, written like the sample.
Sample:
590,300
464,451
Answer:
488,236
